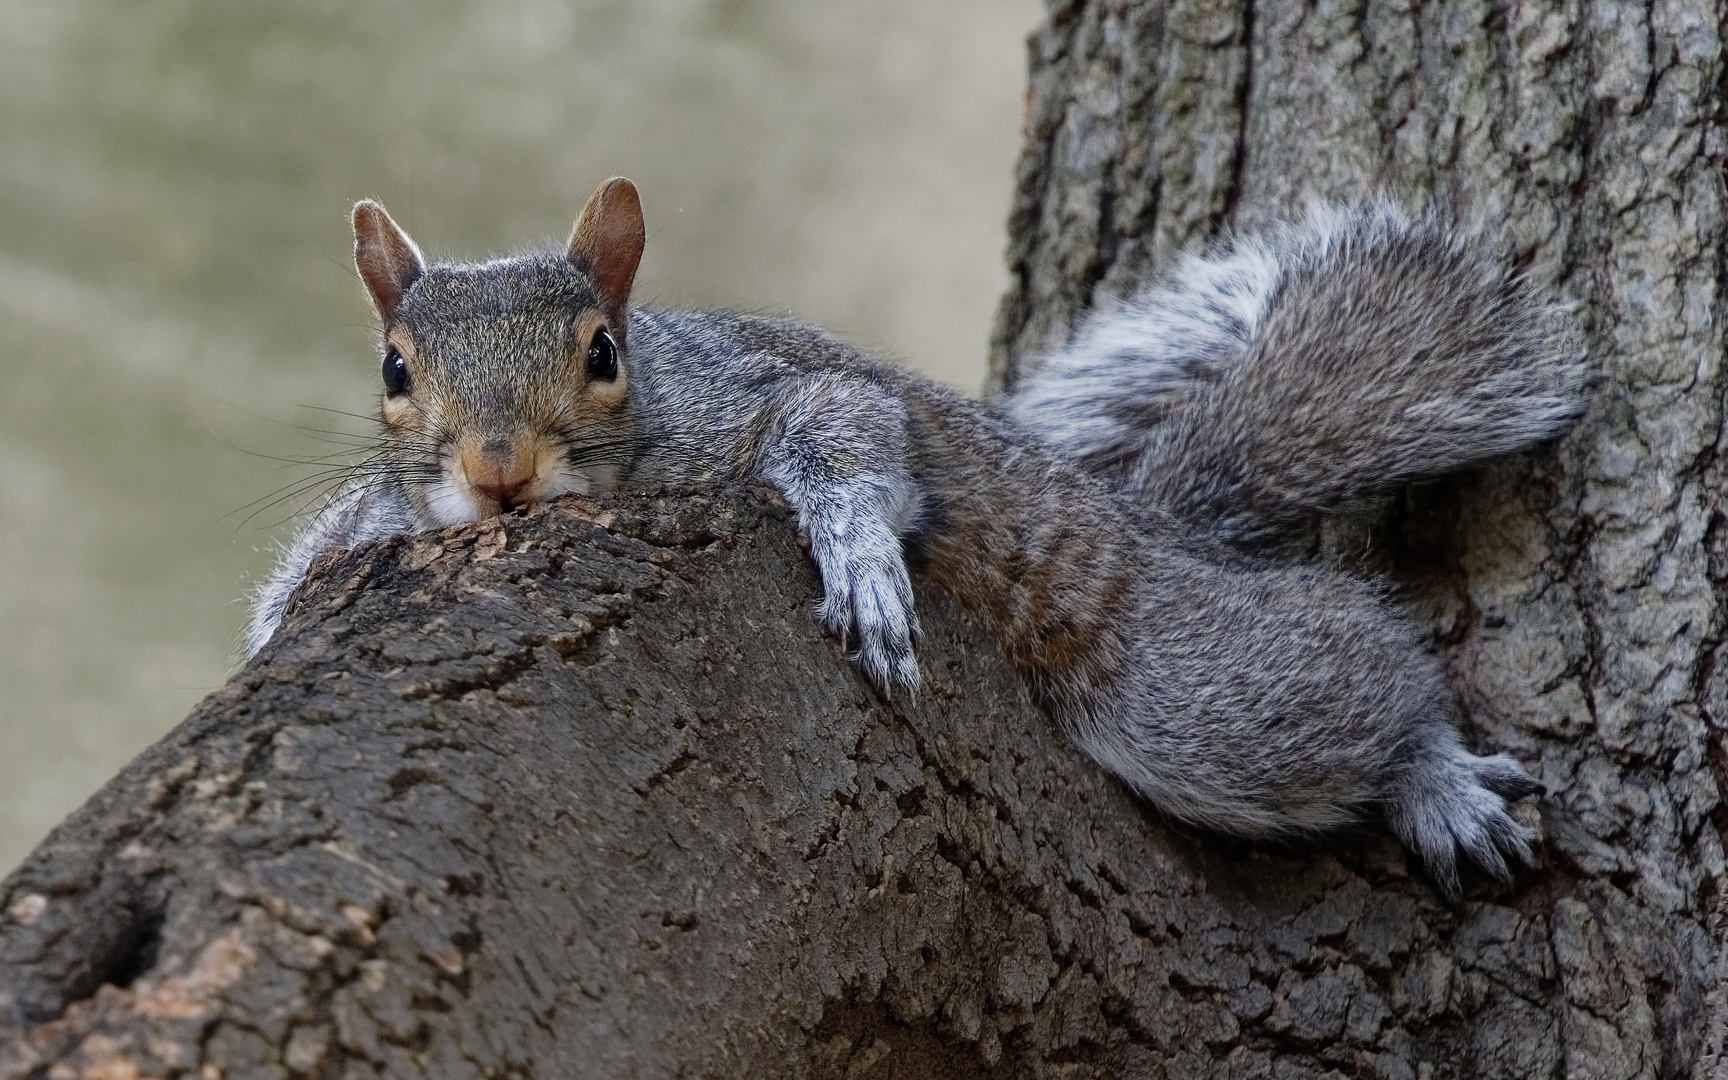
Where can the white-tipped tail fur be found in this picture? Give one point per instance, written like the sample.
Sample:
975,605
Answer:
1303,370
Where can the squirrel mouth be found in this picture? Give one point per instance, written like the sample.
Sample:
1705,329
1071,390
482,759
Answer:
464,494
486,475
456,498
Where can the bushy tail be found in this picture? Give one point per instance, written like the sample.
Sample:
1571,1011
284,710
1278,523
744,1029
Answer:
1305,370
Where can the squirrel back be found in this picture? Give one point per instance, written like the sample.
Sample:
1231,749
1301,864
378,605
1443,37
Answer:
1308,369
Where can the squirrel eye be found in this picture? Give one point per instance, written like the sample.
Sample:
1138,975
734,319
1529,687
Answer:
602,357
395,373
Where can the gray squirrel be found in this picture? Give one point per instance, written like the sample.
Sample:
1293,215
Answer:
1104,522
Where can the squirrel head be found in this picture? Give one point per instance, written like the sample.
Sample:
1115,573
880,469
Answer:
505,382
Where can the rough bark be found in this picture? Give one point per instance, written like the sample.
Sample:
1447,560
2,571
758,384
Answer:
586,792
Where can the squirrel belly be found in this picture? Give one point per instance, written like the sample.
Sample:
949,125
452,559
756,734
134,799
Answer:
358,513
1254,697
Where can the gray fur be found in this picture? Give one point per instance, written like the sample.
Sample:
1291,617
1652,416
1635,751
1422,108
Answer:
1306,370
1253,697
765,397
365,509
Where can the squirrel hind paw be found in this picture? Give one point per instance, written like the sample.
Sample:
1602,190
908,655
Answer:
1460,802
1504,776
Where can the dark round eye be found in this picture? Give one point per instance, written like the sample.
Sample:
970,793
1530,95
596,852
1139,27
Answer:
602,357
395,373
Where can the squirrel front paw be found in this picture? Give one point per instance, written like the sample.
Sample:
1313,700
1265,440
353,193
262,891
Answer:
867,600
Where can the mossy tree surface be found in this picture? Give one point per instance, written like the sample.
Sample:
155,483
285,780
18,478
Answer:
586,792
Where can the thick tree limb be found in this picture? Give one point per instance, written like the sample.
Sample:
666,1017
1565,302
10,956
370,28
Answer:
546,798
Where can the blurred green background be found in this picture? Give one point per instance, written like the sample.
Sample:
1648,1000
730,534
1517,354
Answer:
175,286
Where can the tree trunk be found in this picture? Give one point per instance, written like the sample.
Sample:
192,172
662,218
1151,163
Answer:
1576,592
586,792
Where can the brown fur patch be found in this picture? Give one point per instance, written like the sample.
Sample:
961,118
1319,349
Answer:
484,463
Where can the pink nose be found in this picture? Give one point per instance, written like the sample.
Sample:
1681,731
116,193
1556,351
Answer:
505,491
500,472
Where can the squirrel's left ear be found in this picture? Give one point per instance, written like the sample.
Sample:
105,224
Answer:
608,239
387,259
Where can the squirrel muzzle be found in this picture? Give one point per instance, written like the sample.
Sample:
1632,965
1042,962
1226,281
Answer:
499,474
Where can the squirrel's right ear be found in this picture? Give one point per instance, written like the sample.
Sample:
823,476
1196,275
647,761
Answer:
608,239
387,259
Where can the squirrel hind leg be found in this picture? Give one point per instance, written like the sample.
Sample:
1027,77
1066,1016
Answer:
1454,800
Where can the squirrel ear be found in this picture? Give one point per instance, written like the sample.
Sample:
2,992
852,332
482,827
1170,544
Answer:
387,259
607,242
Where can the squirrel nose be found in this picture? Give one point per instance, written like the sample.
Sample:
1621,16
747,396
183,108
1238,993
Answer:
500,474
507,493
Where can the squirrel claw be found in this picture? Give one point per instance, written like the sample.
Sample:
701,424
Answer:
1452,803
869,601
